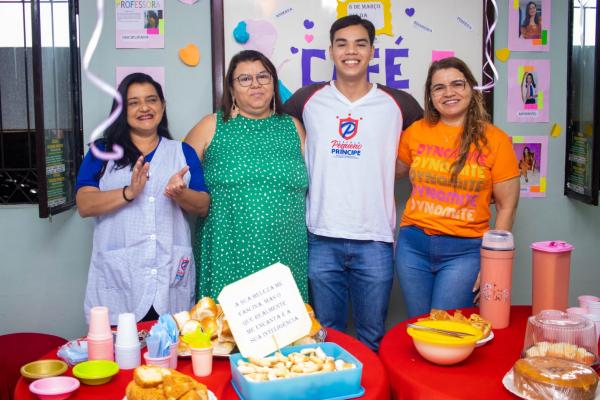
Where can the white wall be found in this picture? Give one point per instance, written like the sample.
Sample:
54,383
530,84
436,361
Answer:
43,267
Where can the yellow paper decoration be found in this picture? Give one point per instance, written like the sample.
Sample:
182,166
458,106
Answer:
356,5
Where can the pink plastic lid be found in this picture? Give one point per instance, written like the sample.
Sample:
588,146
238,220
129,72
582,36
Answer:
552,246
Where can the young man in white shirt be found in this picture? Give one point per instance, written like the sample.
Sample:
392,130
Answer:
352,132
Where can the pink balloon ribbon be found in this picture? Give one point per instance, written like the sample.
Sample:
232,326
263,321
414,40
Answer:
488,51
117,151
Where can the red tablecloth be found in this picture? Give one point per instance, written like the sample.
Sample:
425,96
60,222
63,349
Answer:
374,378
479,376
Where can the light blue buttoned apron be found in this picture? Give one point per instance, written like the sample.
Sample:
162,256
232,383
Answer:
142,254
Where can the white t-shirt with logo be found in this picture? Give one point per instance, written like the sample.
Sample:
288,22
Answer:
350,154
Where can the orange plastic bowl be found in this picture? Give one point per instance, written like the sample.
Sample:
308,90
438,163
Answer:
443,349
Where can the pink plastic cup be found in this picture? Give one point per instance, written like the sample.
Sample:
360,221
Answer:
99,328
173,355
585,299
101,349
164,362
202,361
576,311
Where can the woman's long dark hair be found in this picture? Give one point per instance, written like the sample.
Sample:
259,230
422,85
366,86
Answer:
249,56
535,17
119,131
532,79
475,119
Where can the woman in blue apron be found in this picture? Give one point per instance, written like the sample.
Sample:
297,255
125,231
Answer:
142,260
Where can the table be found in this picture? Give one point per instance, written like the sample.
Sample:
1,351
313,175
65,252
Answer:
479,376
374,378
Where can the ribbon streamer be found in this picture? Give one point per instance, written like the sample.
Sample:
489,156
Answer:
488,55
117,151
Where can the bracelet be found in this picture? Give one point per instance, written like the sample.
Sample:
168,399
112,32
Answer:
124,196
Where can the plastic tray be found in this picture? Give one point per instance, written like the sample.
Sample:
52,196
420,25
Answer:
343,384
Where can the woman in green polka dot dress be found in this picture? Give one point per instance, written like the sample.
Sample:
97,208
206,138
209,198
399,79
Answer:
253,165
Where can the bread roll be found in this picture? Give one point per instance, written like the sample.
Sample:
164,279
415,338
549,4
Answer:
552,378
209,324
190,326
155,383
205,307
223,332
181,318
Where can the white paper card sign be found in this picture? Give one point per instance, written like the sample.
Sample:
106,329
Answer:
265,311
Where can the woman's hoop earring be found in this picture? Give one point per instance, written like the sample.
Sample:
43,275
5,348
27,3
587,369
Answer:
274,111
235,111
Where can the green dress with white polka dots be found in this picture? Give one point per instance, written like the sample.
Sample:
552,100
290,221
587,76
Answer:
257,179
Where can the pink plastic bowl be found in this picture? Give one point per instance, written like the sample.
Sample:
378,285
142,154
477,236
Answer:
54,388
442,355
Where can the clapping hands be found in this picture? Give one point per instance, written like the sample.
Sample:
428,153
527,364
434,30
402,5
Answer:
176,184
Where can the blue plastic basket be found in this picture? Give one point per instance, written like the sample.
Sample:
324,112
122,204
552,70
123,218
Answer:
333,385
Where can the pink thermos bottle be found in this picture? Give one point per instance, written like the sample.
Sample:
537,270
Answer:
497,253
550,268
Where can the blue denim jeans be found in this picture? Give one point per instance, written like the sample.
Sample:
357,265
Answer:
356,271
436,271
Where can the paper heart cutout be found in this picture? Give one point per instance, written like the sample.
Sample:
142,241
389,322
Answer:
410,11
503,54
555,132
190,55
240,34
309,38
294,50
308,24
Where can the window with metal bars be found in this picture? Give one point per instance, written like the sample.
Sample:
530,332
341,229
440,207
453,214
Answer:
40,104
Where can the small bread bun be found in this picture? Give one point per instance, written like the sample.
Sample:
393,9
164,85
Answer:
222,348
205,307
223,332
147,376
181,318
190,326
183,348
209,324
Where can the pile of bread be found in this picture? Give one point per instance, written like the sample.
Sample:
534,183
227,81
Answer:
155,383
307,361
474,320
210,317
563,350
558,370
554,378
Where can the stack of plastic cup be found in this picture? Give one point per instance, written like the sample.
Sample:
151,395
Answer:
576,311
127,346
588,301
100,338
592,306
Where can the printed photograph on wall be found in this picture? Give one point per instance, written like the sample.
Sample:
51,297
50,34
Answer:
532,155
528,25
140,24
528,91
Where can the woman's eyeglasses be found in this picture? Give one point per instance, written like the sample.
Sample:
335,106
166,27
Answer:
245,80
458,85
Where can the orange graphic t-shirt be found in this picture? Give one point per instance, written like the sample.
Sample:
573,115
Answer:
438,206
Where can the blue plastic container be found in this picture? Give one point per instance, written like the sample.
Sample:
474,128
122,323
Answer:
333,385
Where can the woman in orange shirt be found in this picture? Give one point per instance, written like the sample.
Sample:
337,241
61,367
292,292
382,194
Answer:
457,162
